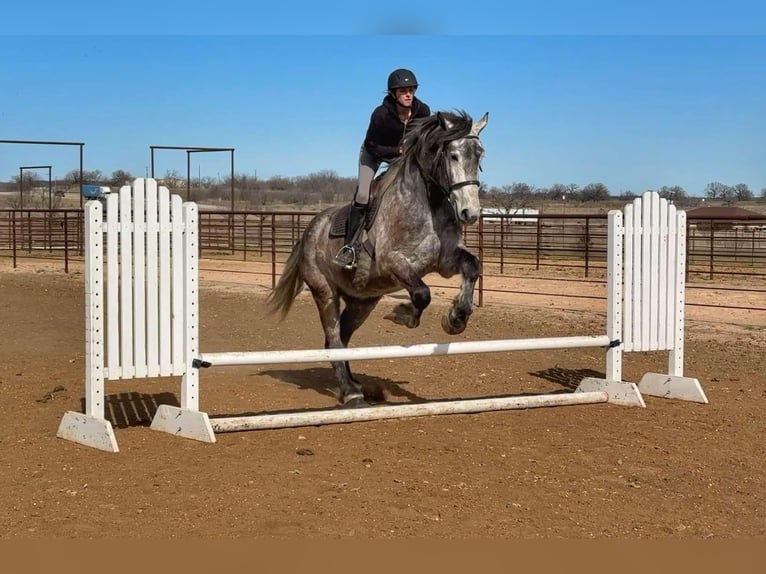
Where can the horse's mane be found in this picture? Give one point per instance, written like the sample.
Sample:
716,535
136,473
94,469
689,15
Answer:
424,143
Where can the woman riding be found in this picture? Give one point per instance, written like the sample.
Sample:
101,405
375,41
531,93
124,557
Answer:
382,143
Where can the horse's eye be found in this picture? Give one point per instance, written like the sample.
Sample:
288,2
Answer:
454,157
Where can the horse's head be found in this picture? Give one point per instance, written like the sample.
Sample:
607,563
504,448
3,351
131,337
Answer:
462,160
447,151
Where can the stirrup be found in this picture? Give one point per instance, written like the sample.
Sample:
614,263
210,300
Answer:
346,257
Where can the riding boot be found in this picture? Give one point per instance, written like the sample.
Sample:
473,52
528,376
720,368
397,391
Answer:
347,255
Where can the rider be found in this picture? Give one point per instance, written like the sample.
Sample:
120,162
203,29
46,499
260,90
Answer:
382,143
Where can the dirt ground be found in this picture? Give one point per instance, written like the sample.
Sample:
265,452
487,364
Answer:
673,470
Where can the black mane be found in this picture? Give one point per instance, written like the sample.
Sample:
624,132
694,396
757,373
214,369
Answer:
423,144
428,135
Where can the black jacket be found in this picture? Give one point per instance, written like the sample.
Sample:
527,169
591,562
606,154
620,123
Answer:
386,131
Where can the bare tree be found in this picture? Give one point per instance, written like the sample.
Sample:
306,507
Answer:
718,190
119,178
94,177
742,192
594,192
29,180
172,179
627,195
279,183
674,193
558,191
511,198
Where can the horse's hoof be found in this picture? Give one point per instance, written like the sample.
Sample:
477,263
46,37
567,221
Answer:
452,326
355,402
398,319
404,314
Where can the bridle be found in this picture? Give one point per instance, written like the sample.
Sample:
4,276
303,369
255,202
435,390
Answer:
452,186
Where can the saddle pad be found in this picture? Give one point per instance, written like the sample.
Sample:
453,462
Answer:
339,220
338,227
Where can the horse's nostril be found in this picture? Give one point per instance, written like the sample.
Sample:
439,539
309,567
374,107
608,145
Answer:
467,217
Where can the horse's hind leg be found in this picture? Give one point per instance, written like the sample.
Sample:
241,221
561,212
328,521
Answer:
354,314
469,267
328,303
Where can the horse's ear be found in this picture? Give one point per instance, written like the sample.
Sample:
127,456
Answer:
478,126
443,121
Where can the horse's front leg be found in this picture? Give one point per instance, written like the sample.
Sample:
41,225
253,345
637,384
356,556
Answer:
467,264
408,314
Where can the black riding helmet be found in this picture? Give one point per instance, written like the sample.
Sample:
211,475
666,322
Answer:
401,78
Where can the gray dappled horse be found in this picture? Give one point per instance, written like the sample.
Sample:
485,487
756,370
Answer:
423,199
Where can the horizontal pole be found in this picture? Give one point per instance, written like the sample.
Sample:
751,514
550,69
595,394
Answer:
191,148
39,142
454,407
399,351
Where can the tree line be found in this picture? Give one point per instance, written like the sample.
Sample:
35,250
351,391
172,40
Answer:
327,187
520,195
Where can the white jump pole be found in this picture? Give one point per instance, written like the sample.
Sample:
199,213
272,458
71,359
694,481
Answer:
199,426
453,407
399,351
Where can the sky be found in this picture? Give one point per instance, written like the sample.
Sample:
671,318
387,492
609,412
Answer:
634,95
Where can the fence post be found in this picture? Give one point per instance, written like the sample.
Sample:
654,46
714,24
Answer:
244,236
481,258
537,246
587,245
13,236
231,233
502,245
273,251
66,243
29,231
752,248
690,239
261,218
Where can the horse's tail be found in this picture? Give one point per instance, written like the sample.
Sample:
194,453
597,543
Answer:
289,285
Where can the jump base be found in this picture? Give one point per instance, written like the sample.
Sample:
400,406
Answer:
88,430
672,387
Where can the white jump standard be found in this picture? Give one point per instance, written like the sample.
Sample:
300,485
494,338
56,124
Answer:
142,321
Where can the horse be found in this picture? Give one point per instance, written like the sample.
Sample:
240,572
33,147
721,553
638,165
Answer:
424,198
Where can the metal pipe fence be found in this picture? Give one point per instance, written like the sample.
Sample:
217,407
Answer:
54,234
544,245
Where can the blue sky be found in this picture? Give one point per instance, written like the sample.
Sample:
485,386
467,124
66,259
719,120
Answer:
633,95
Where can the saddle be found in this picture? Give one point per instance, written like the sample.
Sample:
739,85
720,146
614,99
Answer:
366,255
338,227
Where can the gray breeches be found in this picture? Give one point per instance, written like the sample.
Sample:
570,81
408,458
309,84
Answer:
368,166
